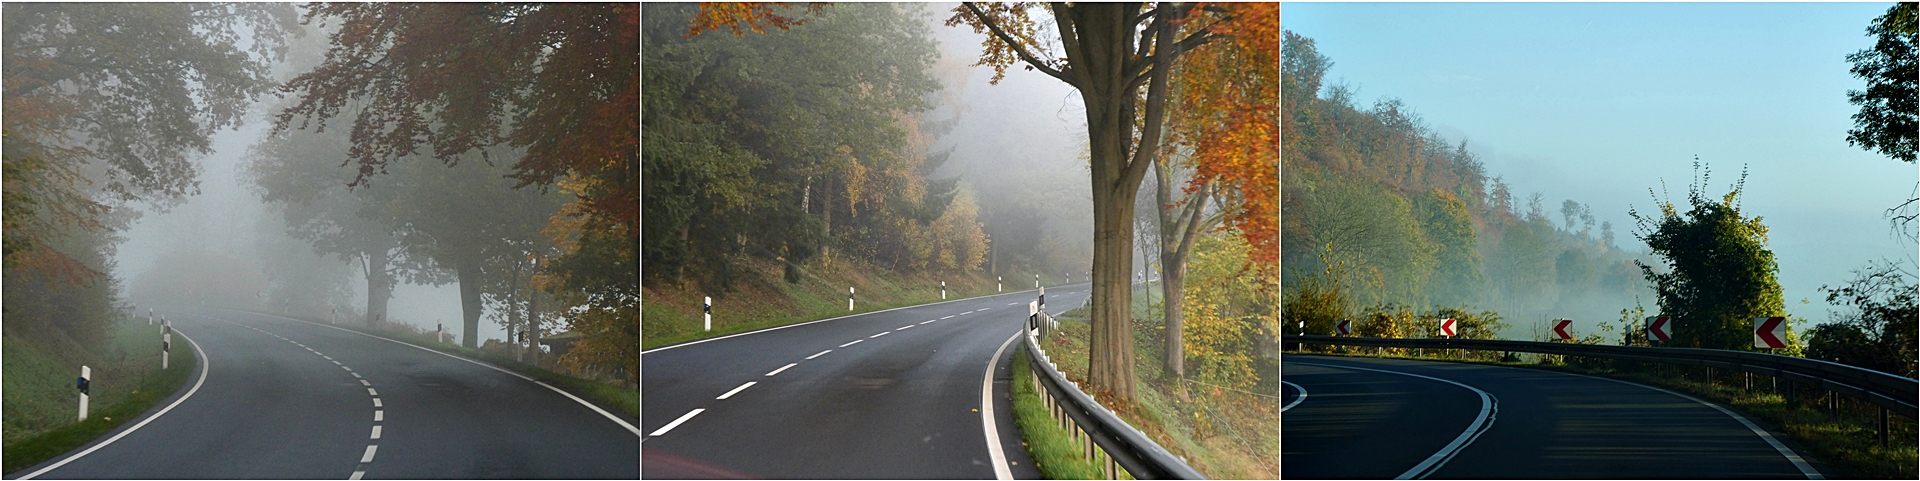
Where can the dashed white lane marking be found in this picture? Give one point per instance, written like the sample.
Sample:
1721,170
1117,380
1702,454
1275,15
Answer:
676,422
349,369
948,317
336,363
1013,303
376,402
929,321
371,392
878,335
821,353
356,475
355,375
965,313
376,433
379,415
364,382
782,368
852,343
368,458
736,390
329,358
906,327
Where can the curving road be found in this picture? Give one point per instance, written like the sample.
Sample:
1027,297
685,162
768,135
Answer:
894,394
1389,418
287,399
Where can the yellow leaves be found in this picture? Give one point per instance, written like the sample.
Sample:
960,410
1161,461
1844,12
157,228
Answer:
1013,20
755,16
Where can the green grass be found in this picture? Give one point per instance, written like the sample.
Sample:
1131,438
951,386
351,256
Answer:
1052,448
42,405
620,395
1846,443
762,299
1223,434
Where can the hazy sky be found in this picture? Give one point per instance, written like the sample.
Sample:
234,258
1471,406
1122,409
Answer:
1599,102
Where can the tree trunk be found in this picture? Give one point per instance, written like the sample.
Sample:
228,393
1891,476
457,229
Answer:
533,324
379,287
469,274
1178,229
1097,37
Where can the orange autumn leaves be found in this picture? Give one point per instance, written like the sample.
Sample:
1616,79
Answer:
1226,110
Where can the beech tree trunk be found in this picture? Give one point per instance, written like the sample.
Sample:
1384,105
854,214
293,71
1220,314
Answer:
469,274
1178,229
379,287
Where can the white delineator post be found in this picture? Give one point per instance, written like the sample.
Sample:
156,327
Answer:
943,290
1043,298
149,316
85,385
706,311
849,298
996,284
166,342
1036,281
439,332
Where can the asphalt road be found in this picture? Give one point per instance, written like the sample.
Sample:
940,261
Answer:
285,399
1368,419
892,394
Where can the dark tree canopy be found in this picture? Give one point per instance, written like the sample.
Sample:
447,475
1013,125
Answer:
1880,331
1886,121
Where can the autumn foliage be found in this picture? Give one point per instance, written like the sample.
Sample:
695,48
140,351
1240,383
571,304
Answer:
1226,109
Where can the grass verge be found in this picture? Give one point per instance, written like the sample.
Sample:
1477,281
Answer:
1844,438
618,394
1223,433
1051,447
42,405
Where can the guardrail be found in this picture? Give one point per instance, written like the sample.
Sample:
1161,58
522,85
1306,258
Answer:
1894,394
1102,435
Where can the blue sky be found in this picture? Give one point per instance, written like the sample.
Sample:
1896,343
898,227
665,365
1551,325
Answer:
1599,102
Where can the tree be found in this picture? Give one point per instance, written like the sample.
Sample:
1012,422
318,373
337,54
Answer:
557,83
1111,51
1886,121
119,97
1880,329
1720,273
1224,115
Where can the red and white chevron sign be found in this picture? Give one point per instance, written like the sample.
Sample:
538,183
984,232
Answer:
1344,327
1770,332
1560,329
1447,327
1658,330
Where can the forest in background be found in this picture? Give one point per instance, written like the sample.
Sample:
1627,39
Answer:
1399,219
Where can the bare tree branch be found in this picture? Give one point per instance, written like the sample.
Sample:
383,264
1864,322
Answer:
1015,44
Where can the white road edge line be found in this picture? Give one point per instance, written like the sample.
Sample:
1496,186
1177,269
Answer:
1296,401
737,390
1798,462
821,353
136,427
852,343
995,454
622,422
676,422
782,368
1489,409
